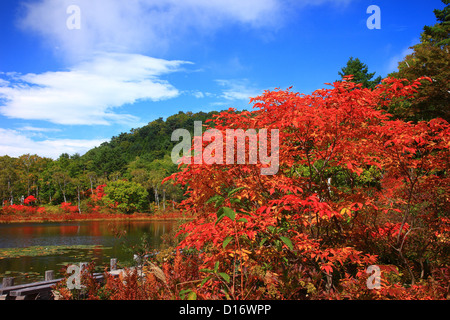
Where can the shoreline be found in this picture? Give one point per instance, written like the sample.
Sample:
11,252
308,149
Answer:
86,217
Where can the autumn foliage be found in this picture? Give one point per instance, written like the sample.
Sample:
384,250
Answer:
354,189
67,211
29,200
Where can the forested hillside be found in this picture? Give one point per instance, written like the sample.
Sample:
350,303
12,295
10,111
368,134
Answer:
141,156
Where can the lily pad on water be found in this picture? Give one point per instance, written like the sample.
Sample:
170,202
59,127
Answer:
22,277
44,250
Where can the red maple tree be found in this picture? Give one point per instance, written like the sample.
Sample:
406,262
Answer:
354,188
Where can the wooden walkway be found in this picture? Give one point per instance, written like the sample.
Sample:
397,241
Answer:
43,290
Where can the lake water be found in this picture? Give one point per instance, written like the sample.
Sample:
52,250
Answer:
103,244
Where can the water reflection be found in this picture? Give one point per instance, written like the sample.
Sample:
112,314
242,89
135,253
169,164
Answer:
100,233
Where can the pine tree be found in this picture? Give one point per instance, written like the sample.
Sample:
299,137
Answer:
438,34
360,73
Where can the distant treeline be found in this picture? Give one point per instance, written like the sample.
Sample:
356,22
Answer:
141,155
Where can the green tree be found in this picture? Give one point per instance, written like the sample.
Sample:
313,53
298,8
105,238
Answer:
79,183
61,177
26,163
430,58
47,185
127,196
158,170
360,73
62,180
138,171
8,178
438,34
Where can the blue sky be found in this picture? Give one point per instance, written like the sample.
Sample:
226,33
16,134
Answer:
71,79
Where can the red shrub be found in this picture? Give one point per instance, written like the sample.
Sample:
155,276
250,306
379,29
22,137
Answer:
19,209
68,207
29,200
98,193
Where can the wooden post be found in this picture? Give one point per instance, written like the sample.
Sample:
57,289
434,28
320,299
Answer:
113,264
49,275
8,282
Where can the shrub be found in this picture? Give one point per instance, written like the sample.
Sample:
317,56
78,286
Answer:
126,196
30,200
67,207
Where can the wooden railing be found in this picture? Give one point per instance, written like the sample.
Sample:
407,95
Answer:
42,290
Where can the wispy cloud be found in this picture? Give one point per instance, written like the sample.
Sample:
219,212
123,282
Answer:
15,143
198,94
150,26
89,92
393,61
36,129
240,89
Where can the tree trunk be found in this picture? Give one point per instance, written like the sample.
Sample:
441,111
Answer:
11,200
92,188
79,201
63,191
155,188
164,198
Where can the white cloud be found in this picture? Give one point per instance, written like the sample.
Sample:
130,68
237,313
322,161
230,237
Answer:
336,3
88,92
14,144
98,83
36,129
149,26
95,85
238,89
198,94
